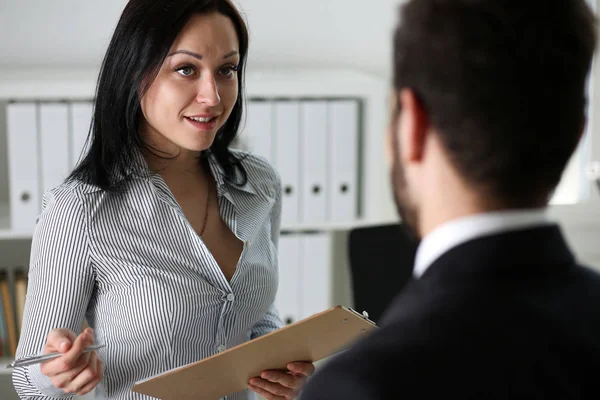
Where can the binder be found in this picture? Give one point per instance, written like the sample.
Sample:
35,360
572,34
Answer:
20,296
54,140
316,280
343,160
288,296
311,339
314,152
287,157
81,119
22,138
257,134
4,346
8,315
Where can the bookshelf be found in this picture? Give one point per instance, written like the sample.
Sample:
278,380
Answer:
374,196
373,199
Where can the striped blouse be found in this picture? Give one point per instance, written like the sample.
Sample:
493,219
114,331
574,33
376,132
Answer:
132,265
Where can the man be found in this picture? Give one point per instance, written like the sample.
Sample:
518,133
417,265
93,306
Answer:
488,106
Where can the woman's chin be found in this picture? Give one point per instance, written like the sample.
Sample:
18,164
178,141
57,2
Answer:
199,145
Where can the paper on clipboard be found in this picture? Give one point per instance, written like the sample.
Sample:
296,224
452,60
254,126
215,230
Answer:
310,339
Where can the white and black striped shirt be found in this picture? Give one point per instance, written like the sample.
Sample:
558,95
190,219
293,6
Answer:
132,265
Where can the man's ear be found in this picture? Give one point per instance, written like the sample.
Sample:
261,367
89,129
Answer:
412,128
392,131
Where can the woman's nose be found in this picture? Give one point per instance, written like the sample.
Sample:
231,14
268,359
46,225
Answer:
208,92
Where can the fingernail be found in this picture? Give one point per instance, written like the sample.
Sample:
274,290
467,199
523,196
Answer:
63,346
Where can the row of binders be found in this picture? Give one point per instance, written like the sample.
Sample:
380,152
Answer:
13,289
313,144
305,275
45,141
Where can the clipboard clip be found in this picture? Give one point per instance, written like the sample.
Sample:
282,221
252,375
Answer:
364,315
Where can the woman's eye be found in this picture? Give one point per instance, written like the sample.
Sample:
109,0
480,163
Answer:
229,71
185,71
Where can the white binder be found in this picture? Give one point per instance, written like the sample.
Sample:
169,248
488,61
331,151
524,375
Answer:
314,152
257,136
316,273
289,293
287,157
54,141
22,135
81,118
343,161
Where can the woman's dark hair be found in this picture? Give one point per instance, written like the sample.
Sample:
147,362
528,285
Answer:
140,43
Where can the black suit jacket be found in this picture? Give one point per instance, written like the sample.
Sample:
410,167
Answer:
500,317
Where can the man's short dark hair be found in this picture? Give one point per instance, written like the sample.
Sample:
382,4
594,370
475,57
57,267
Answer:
504,85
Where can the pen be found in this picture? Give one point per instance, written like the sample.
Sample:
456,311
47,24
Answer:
25,361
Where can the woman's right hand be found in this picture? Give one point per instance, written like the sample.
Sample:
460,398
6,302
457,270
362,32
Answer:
74,371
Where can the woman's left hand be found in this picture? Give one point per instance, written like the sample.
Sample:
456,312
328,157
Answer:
282,385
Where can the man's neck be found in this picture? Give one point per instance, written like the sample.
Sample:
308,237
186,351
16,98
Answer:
446,207
463,229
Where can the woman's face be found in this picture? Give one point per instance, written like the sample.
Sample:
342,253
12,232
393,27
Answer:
196,87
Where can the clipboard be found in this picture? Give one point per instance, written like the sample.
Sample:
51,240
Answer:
310,339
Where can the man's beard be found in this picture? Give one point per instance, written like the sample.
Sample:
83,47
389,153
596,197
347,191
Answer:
407,211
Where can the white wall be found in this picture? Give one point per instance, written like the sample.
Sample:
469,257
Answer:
310,33
71,34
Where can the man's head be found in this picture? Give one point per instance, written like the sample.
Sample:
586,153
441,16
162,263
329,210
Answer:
489,102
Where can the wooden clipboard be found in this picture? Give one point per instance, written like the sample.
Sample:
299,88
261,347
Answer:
310,339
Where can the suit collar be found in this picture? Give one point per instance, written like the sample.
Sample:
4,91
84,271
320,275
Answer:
524,258
524,251
470,227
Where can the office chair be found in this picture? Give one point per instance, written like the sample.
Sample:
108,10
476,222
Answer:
381,262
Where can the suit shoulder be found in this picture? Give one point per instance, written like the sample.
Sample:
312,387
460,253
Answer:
371,367
590,274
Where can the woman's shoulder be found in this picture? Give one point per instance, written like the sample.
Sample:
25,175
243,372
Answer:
77,188
67,193
70,193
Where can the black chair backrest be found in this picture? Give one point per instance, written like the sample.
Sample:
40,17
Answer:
381,263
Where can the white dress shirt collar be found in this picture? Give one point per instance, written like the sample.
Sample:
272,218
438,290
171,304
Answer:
461,230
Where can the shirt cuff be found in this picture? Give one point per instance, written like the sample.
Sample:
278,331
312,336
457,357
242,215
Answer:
44,384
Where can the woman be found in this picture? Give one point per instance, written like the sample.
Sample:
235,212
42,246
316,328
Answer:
163,239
